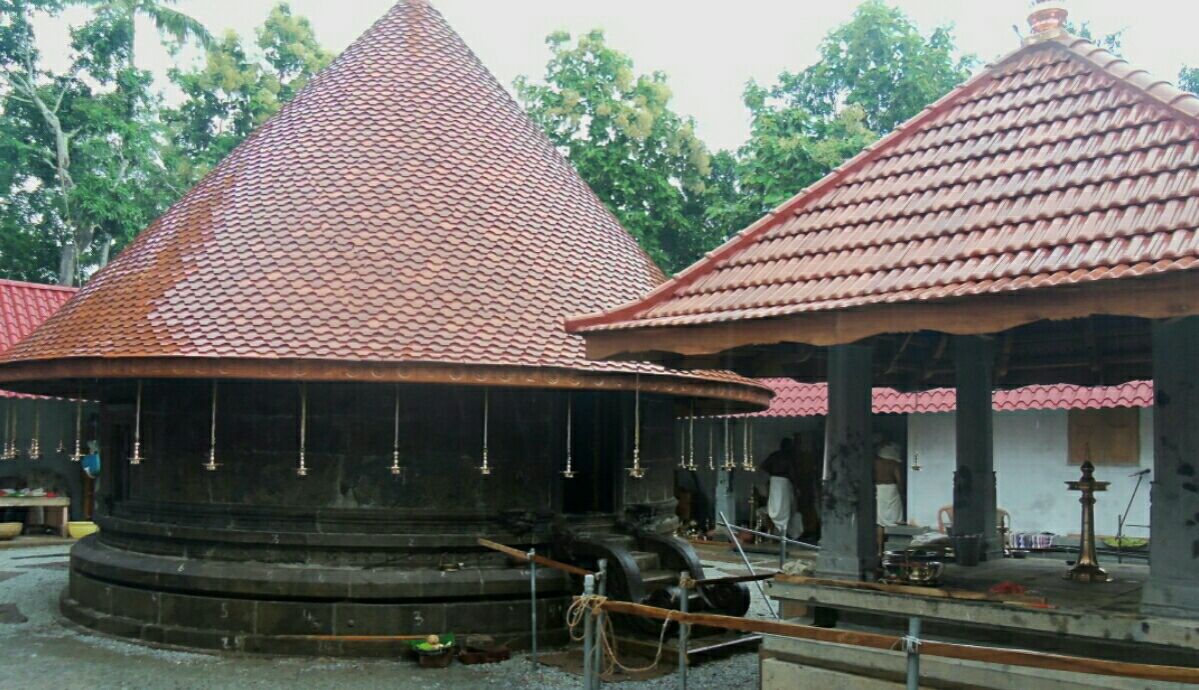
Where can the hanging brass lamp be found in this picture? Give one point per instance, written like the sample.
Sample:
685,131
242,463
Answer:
569,472
35,444
396,469
637,471
136,458
211,465
302,469
485,469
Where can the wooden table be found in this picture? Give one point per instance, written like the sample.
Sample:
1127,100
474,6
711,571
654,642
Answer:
63,503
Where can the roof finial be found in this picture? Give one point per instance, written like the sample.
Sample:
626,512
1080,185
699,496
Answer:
1047,19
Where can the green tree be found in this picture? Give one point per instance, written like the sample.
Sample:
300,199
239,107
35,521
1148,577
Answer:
1188,78
643,160
235,90
81,170
874,72
118,20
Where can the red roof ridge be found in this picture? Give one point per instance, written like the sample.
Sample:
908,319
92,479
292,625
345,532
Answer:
1180,101
1177,101
37,286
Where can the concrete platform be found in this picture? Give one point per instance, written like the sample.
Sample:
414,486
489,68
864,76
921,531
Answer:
1053,615
1105,611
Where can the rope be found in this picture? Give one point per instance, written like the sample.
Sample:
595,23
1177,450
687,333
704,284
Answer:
593,604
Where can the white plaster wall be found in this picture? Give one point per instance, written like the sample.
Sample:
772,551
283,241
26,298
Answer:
1031,471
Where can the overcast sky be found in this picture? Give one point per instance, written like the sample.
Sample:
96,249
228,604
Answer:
708,49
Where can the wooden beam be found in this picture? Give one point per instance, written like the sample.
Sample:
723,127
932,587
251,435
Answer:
907,340
539,560
990,655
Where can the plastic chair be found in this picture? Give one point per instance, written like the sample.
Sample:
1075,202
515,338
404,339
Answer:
1003,520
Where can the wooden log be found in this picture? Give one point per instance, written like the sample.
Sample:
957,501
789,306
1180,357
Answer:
991,655
539,560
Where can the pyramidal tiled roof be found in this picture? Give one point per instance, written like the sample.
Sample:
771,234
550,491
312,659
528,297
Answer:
24,306
401,209
1059,165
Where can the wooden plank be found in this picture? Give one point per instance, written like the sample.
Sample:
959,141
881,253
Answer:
539,560
34,502
733,578
916,591
991,655
935,592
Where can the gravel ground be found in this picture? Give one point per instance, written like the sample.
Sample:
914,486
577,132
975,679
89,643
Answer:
44,652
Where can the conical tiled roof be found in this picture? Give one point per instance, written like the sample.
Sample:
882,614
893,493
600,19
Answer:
402,218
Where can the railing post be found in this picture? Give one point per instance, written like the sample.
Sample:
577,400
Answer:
588,630
533,599
685,588
912,646
602,586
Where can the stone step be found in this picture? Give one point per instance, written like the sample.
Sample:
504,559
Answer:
645,560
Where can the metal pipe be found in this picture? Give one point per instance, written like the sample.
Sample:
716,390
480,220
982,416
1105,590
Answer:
588,631
747,530
533,600
912,646
744,559
684,628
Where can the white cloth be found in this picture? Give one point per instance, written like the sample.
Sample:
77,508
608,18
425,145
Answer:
887,505
780,506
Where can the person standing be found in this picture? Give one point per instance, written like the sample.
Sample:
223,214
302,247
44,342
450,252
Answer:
888,490
781,502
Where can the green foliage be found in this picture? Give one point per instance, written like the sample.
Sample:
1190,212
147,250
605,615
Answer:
874,72
1188,78
643,160
1112,43
89,157
234,92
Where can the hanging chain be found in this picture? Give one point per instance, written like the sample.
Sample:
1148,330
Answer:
711,445
569,472
136,458
9,450
636,471
730,463
691,438
35,444
915,467
211,465
485,469
747,450
77,456
302,469
396,469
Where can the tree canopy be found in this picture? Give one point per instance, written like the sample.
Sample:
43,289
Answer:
641,158
92,153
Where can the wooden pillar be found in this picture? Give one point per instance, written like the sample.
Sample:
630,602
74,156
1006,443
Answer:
1173,586
847,541
974,480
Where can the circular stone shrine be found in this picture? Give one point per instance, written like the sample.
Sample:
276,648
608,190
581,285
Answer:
338,362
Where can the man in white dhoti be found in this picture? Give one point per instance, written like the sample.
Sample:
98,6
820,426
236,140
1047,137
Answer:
782,505
888,490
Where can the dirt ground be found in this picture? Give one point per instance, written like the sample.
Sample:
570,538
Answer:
39,650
